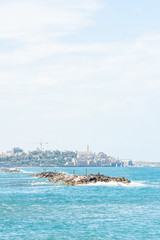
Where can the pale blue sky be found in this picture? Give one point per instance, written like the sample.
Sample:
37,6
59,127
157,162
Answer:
81,72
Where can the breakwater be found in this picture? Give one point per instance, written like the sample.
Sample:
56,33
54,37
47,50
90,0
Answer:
72,180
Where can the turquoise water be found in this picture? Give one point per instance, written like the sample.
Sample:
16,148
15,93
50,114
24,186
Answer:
40,210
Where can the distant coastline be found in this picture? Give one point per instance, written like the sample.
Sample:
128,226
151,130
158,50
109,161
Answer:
47,158
146,164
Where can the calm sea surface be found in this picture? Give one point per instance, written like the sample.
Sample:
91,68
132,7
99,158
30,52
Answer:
41,210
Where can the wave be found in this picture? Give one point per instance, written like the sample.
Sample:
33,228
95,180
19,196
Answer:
109,184
117,184
39,183
23,171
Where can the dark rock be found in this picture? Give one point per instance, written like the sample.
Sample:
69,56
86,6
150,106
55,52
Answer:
71,180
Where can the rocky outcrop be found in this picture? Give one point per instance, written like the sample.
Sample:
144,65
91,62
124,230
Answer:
78,179
10,170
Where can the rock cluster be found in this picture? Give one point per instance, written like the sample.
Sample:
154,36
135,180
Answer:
10,170
78,179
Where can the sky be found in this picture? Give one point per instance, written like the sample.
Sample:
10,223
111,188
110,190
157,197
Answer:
81,72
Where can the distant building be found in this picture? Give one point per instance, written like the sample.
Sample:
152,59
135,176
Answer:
85,158
102,160
2,155
85,154
69,164
17,150
127,162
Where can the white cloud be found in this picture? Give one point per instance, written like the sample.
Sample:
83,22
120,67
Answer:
43,20
127,64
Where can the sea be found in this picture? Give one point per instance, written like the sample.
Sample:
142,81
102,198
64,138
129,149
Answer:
32,208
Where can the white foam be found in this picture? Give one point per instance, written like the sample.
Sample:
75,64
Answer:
27,171
23,171
118,184
39,183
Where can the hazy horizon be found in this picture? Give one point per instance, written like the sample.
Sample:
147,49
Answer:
81,72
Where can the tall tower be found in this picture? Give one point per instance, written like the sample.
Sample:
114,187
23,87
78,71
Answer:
87,148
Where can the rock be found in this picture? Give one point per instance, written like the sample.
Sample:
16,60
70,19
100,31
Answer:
10,170
72,180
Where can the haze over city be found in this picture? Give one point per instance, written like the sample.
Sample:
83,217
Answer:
81,72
